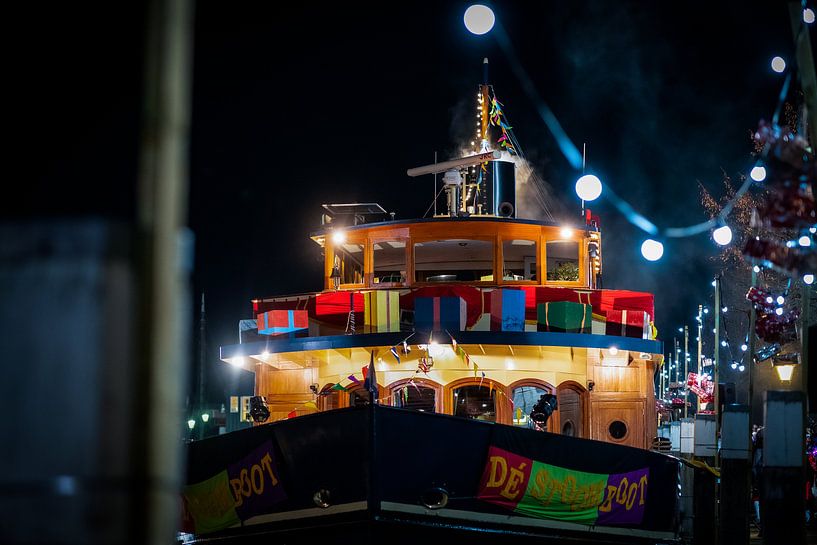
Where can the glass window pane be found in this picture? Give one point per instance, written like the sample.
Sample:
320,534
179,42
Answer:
389,261
519,259
349,258
563,261
418,398
476,402
524,398
359,397
455,259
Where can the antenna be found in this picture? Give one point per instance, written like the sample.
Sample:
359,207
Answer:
435,185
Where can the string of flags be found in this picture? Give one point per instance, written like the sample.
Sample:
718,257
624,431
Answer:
424,365
497,118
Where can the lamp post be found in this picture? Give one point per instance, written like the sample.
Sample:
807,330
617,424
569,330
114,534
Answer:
191,424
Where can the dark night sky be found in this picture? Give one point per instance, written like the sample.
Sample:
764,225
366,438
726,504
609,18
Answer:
302,103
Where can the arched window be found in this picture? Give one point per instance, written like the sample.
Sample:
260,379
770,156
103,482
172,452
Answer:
525,393
572,411
329,398
416,394
475,402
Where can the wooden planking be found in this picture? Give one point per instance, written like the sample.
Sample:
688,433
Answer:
629,412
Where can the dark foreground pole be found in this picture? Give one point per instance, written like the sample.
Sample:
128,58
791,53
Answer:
735,490
704,506
782,484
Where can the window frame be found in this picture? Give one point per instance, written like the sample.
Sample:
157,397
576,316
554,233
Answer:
397,385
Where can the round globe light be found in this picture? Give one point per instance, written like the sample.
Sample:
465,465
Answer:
778,64
758,173
804,241
742,368
479,19
652,250
808,16
808,279
588,187
722,235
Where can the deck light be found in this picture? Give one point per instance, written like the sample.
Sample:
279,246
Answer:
652,250
339,237
722,235
566,232
479,19
588,187
613,350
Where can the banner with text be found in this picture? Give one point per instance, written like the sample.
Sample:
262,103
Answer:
537,489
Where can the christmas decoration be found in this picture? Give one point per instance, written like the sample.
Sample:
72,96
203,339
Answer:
777,328
766,352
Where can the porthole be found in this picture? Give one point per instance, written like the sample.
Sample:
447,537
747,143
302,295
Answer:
617,429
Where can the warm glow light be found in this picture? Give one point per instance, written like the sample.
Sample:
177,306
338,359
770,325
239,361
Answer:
778,64
238,361
784,372
613,350
566,232
652,250
758,174
479,19
339,237
588,187
722,235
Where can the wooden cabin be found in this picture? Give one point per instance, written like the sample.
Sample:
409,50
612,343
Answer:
603,382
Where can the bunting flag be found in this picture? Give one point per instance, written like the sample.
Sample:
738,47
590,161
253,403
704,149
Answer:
497,120
292,414
365,371
311,405
406,348
475,370
393,350
481,378
338,387
353,379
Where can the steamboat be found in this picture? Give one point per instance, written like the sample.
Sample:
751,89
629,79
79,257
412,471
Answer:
463,376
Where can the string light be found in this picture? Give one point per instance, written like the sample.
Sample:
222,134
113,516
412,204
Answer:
758,173
778,64
652,250
808,16
804,241
722,236
808,279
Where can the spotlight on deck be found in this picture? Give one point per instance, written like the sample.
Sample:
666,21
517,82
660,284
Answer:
322,498
479,19
542,410
435,498
258,409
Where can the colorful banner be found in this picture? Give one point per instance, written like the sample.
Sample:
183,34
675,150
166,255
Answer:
542,490
245,489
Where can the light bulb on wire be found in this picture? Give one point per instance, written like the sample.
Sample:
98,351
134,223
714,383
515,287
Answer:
758,173
778,64
722,235
479,19
588,187
652,250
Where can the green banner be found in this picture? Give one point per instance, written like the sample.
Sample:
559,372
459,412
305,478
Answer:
210,504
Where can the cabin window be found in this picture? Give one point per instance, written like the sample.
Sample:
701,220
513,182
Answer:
359,397
562,261
329,398
349,258
415,397
475,402
519,259
524,398
617,429
389,261
453,260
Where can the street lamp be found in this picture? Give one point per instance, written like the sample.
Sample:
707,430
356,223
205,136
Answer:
205,417
191,424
